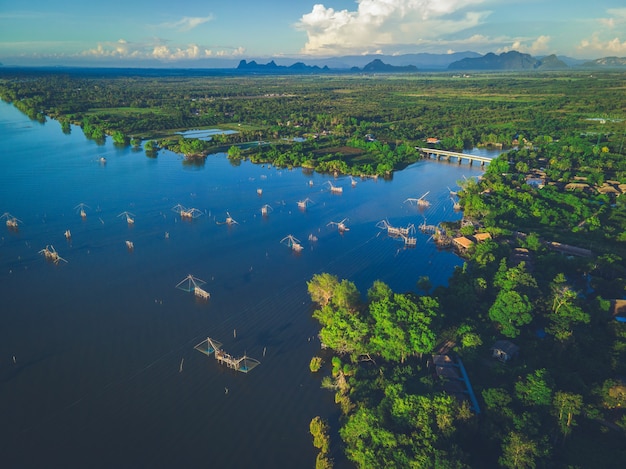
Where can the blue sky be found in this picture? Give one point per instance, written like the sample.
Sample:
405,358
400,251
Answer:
136,32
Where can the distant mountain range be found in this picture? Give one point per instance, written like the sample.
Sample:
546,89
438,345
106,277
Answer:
272,67
460,61
375,66
607,62
423,61
512,60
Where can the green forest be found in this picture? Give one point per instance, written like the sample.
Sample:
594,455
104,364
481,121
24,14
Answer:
531,323
351,123
520,362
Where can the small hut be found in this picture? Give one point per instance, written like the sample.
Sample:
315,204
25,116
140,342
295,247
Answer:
504,350
480,237
462,242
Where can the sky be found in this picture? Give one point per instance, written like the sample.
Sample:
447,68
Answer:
204,32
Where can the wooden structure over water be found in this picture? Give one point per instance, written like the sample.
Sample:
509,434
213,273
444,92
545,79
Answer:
437,233
292,242
210,346
449,155
11,221
129,217
193,284
186,213
394,231
419,201
266,209
409,241
341,225
335,189
80,208
51,254
399,232
229,220
303,204
424,228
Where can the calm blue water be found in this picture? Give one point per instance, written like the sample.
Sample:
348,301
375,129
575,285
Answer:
206,134
98,341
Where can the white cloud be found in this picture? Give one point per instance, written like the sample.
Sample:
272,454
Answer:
187,23
595,45
609,40
616,19
617,12
538,46
379,23
157,49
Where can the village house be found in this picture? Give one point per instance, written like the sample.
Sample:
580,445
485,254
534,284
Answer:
480,237
462,242
577,186
504,350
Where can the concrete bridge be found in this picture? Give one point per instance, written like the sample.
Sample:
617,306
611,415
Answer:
449,155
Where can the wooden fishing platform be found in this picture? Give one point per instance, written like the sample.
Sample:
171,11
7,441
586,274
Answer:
293,242
393,230
210,346
193,284
409,241
11,221
424,228
200,293
187,213
334,189
51,254
302,204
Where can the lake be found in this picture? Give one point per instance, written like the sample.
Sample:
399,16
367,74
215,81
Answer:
97,360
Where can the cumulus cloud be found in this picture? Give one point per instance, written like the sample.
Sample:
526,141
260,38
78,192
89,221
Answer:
187,23
538,46
379,23
607,41
616,19
595,45
157,49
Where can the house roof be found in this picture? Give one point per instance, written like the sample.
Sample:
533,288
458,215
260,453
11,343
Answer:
608,189
576,186
506,346
482,236
463,242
